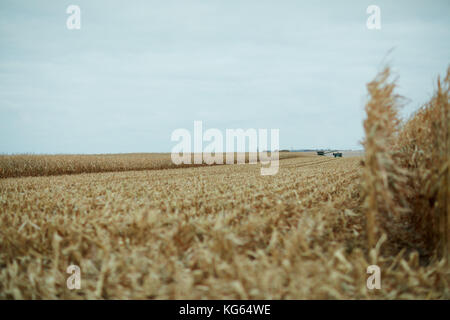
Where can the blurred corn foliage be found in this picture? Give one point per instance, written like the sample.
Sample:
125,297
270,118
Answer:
406,169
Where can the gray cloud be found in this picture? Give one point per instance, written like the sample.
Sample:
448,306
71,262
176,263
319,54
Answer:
137,71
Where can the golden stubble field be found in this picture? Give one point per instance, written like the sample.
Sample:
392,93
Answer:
216,232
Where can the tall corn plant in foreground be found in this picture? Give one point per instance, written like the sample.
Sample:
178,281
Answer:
406,172
425,144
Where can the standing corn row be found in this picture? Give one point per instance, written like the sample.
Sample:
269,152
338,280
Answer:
381,127
444,191
406,174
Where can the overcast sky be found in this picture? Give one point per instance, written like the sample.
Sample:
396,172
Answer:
137,70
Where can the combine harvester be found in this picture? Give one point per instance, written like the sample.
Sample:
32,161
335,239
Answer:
335,153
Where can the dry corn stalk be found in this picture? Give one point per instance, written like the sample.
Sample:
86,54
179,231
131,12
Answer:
406,172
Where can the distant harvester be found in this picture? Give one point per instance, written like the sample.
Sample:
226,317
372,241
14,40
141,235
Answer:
335,154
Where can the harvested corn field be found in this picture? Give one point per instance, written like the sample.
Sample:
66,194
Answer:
216,232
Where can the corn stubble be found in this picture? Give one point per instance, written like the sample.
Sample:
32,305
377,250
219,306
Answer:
226,232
